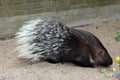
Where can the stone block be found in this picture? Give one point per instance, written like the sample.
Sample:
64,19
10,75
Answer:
32,1
73,2
35,5
35,11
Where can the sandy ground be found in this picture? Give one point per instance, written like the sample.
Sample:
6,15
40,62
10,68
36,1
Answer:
12,68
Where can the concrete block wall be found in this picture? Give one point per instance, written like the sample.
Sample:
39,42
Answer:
13,13
24,7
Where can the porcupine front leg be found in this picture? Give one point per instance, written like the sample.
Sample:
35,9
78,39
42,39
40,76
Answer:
83,59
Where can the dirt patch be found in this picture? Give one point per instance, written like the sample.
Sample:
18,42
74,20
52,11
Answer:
11,68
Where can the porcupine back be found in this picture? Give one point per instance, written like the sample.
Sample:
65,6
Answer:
41,39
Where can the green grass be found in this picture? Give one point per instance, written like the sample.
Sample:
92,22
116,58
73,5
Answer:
117,35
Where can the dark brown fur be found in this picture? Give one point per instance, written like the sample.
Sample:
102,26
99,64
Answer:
80,47
92,45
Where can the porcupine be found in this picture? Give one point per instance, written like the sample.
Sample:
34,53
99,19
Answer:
52,41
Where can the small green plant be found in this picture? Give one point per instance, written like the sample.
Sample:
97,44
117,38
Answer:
117,35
